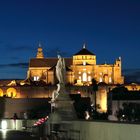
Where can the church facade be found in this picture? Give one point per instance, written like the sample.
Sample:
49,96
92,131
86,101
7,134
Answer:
81,68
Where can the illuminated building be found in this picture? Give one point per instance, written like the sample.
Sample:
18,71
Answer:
80,69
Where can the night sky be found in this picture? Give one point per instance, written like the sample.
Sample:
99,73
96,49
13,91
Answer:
110,28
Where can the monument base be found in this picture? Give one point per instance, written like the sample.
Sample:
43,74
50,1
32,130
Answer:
63,109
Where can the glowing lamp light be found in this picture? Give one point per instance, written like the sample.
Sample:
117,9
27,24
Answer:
78,92
4,124
46,118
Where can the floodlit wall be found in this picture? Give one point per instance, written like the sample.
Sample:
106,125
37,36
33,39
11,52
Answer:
87,130
44,91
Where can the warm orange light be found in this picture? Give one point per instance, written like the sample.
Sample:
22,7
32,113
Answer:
1,92
11,92
103,104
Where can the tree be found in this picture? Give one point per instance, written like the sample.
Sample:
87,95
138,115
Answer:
95,88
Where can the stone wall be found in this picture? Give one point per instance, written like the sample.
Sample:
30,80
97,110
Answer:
18,124
87,130
43,91
117,104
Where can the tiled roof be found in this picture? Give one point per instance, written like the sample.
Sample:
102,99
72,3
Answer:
47,62
84,51
53,68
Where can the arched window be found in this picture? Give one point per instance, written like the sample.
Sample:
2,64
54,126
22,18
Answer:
84,77
84,63
89,78
36,78
110,80
11,92
100,79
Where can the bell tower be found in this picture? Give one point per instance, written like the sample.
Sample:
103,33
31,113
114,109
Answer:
39,52
118,78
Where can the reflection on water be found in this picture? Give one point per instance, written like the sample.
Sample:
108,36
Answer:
16,135
4,132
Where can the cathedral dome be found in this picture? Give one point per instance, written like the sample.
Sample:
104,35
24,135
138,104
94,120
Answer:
84,51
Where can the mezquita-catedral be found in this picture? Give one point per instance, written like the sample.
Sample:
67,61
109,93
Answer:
80,69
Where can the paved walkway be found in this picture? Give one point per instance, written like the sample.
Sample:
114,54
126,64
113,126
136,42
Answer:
16,135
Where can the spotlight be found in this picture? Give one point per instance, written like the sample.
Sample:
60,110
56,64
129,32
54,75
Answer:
4,124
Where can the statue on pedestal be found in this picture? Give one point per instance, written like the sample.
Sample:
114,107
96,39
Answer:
61,104
60,74
60,70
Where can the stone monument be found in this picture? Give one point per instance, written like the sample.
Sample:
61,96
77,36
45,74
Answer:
62,105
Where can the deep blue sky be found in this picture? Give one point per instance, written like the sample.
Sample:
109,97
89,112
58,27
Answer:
111,28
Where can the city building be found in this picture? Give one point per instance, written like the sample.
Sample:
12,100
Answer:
81,68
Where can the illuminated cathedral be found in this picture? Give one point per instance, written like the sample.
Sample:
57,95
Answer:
81,68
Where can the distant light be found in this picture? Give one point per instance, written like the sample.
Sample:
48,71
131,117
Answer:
4,124
4,134
84,63
92,105
78,92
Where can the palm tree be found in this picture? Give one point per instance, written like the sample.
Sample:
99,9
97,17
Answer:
95,88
